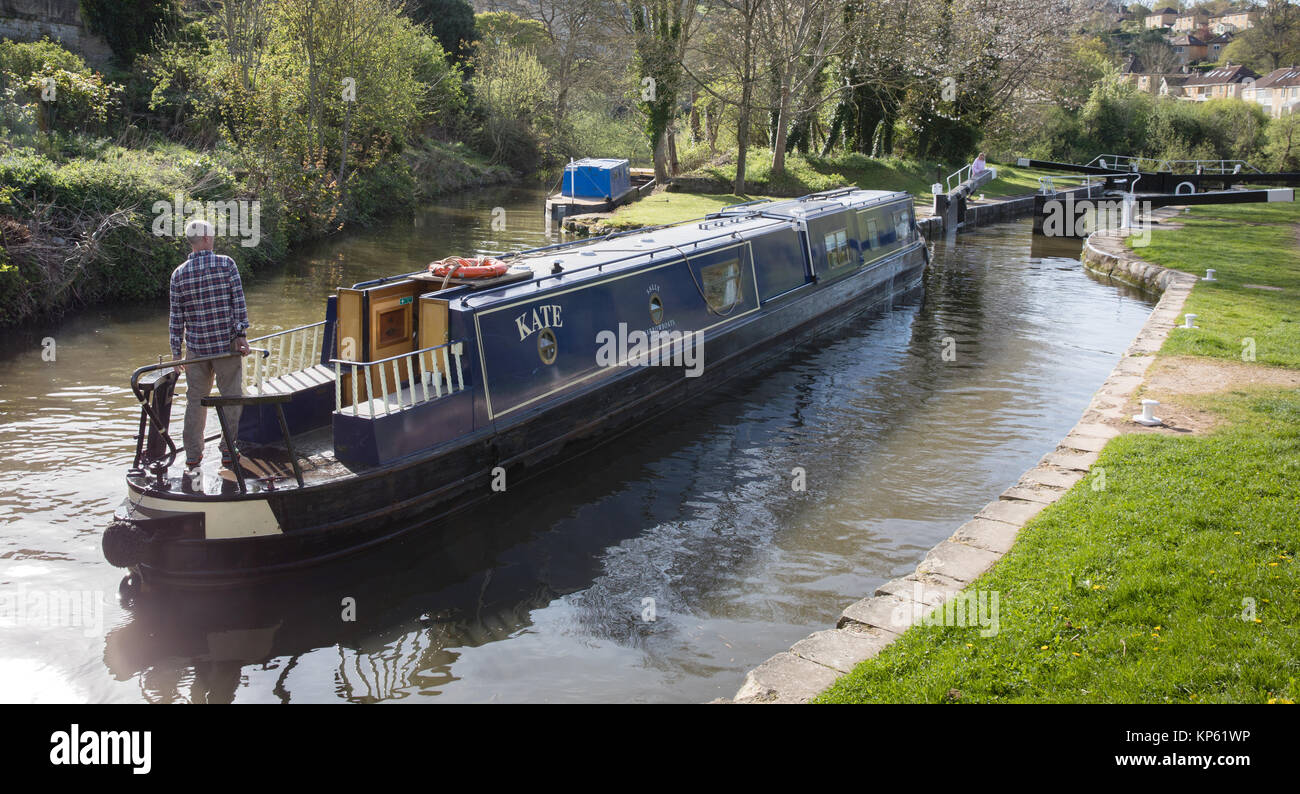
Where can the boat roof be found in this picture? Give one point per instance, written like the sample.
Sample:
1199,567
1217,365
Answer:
585,260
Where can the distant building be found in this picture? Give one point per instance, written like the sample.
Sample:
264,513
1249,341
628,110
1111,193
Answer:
1188,48
1156,83
1235,21
1191,22
1278,92
1164,18
1171,85
1226,82
1215,46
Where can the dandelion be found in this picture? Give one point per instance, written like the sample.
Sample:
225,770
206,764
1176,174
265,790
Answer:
1043,648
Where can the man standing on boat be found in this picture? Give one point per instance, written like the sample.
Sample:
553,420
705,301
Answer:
208,313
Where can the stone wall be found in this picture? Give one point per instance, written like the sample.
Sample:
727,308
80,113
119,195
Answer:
60,20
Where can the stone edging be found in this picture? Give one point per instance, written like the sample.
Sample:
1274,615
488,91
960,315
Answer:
869,625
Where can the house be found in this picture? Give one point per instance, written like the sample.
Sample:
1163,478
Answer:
1225,82
1172,85
1163,18
1216,45
1188,48
1156,83
1191,22
1235,21
1278,92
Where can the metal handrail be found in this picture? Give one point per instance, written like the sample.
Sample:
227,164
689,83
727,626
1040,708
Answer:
1134,163
291,356
449,349
948,180
156,421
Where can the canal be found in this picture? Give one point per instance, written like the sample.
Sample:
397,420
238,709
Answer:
660,568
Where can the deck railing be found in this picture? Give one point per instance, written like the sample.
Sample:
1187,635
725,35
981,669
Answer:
289,351
435,368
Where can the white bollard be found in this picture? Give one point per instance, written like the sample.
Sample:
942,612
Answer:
1189,321
1209,274
1148,416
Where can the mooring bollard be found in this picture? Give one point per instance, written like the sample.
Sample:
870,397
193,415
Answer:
1148,416
1209,274
1189,321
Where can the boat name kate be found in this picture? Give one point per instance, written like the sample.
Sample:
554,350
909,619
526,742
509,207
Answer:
540,317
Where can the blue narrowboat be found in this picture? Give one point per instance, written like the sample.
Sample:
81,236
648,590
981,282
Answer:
420,394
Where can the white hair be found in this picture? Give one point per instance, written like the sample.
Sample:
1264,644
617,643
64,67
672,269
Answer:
198,229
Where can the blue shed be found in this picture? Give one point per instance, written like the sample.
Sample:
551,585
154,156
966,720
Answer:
596,178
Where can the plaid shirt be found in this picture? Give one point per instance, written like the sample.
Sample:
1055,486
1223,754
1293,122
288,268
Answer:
207,304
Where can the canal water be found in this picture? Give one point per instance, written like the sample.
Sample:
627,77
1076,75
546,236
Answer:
660,568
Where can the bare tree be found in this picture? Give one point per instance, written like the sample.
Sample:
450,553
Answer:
799,37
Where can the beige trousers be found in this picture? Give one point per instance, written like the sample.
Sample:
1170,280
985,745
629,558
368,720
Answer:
229,374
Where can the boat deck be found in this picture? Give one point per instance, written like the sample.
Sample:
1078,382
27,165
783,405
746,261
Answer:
266,466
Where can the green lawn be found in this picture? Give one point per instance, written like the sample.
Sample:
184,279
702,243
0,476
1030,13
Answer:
1172,576
1137,592
1264,253
671,207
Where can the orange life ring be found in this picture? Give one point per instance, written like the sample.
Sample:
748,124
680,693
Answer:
460,267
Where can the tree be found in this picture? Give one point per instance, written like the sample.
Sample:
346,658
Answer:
514,91
452,23
335,93
1283,148
1273,42
730,68
799,37
661,30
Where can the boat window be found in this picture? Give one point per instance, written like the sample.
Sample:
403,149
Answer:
656,309
393,325
837,249
873,234
722,285
902,224
547,347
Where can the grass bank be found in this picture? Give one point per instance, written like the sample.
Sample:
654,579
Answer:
707,189
1254,249
1172,576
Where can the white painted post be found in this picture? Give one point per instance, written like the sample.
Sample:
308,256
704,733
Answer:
1190,321
410,377
1148,417
356,398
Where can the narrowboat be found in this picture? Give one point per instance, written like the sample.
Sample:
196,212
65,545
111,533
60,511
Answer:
421,394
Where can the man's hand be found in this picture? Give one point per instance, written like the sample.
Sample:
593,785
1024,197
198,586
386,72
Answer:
242,346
